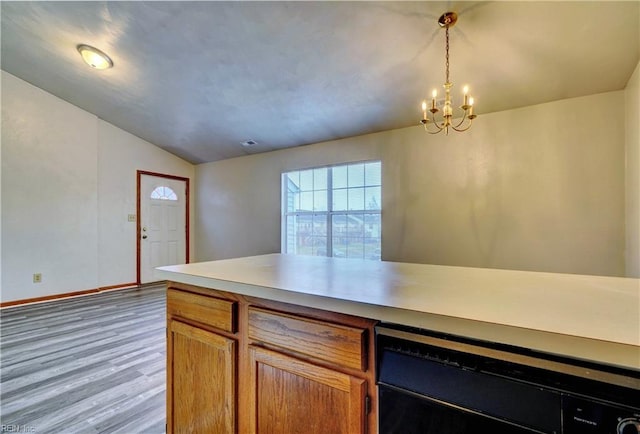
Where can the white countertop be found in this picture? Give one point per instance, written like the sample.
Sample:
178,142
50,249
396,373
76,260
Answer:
593,318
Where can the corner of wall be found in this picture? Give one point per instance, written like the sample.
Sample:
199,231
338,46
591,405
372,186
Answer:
632,175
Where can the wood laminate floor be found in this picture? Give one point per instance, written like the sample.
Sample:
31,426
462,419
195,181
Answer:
92,364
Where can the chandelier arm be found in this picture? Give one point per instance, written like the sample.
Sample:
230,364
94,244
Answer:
456,128
433,132
464,118
435,124
438,129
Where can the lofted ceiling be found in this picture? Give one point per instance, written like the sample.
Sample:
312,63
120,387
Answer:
200,78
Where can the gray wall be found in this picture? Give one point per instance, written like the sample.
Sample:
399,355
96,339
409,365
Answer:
537,188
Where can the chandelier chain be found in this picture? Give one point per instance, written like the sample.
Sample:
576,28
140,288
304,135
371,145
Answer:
447,53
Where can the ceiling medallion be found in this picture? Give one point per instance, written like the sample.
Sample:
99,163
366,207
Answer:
447,20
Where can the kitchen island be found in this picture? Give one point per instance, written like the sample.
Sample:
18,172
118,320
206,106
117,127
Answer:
269,312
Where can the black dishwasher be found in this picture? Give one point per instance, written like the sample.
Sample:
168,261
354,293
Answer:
430,383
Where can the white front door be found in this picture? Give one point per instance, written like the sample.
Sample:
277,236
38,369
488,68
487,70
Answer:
163,224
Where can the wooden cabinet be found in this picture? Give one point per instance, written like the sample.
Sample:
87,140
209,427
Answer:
201,380
296,397
218,313
244,365
202,363
333,343
299,376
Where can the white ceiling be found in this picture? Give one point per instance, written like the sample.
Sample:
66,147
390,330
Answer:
199,78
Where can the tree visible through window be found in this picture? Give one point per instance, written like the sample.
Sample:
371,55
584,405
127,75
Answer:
333,211
163,193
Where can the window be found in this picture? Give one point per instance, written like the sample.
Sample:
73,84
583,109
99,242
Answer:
164,193
333,211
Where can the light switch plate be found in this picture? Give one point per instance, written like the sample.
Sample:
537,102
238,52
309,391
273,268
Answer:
131,217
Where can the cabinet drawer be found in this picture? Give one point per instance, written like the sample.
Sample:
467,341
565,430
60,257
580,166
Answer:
211,311
334,343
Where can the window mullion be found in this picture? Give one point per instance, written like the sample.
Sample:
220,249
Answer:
329,212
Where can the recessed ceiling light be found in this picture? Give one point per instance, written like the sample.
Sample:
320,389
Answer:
249,143
94,57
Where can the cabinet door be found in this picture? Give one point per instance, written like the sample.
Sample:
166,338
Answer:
201,369
296,397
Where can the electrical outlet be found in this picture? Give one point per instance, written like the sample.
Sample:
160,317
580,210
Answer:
37,278
131,217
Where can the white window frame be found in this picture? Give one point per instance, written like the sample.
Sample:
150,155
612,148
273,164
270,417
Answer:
330,212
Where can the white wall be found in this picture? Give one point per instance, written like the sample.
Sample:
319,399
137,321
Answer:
49,193
538,188
68,183
632,140
120,155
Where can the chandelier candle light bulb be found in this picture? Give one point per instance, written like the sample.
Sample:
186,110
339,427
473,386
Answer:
447,20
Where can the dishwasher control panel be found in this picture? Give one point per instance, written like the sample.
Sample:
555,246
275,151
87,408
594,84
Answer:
589,416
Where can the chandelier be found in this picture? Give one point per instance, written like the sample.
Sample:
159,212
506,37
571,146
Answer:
447,20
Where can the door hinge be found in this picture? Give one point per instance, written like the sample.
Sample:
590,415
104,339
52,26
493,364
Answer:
367,404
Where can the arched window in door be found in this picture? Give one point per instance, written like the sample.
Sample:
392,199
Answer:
164,193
